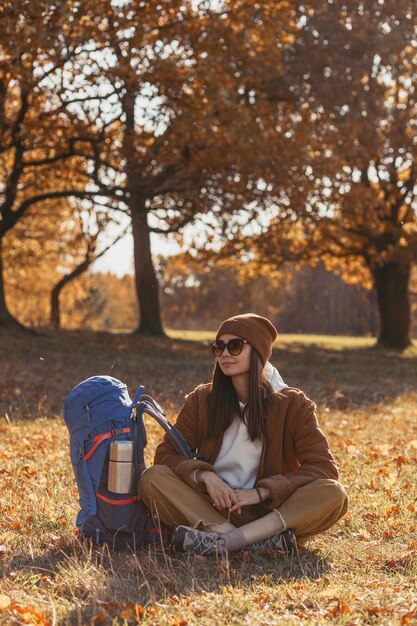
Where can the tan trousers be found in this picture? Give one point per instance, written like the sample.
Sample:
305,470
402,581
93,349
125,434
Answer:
310,510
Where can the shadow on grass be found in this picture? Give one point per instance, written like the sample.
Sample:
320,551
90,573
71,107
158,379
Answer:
37,372
101,583
349,376
160,578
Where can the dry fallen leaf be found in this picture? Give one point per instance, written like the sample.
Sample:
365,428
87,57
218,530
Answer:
29,615
402,561
5,602
410,617
340,609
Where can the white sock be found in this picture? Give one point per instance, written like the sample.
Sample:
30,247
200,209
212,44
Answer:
234,540
263,528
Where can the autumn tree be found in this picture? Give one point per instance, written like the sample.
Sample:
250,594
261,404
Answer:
47,153
351,200
85,246
186,139
32,250
169,115
371,202
141,107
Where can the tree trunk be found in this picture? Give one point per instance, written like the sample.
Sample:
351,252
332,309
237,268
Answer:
391,285
55,312
145,276
6,319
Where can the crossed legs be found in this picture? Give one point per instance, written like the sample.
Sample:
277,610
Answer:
310,510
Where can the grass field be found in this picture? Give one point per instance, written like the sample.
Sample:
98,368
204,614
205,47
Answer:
363,571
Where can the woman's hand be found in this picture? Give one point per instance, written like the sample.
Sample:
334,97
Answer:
246,497
222,496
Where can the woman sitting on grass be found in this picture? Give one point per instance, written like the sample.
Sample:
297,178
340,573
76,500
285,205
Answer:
268,478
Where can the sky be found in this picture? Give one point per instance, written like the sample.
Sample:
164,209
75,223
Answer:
119,259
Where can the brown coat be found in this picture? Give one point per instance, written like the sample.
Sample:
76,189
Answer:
295,451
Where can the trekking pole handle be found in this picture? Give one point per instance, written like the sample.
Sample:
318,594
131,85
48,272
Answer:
138,395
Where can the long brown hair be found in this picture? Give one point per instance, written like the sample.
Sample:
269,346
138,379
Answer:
223,403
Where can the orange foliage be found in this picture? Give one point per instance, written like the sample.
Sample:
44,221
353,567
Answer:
294,118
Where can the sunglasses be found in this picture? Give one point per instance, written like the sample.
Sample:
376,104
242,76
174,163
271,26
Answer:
234,346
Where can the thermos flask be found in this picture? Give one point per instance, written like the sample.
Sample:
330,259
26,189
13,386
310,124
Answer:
121,468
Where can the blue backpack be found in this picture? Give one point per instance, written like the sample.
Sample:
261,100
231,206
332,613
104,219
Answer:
97,412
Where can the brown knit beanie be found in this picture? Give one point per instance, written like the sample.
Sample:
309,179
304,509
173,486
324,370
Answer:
259,331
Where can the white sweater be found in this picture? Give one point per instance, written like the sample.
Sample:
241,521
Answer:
239,457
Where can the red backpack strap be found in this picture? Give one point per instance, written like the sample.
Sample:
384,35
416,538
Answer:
117,502
98,439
